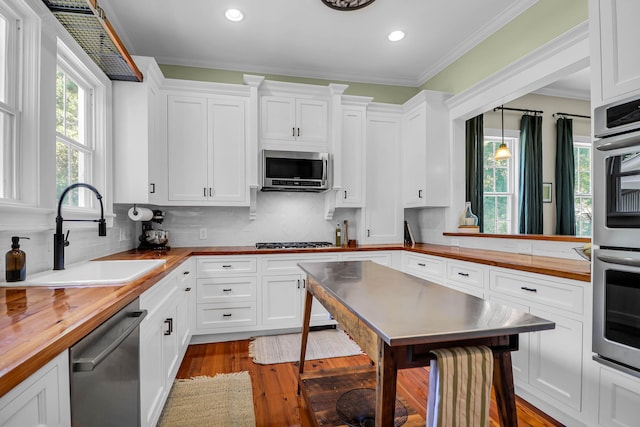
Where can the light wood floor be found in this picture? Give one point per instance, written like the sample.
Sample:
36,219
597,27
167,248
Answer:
274,386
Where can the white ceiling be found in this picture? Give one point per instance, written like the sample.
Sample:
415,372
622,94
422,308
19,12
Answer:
305,38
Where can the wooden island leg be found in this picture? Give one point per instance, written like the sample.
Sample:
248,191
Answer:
387,375
503,386
305,333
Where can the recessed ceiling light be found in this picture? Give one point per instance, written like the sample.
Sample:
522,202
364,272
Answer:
234,15
395,36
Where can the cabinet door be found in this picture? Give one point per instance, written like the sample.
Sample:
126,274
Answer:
619,399
152,376
556,359
277,118
382,216
520,358
187,148
171,344
353,132
619,35
40,400
227,170
414,156
281,300
311,120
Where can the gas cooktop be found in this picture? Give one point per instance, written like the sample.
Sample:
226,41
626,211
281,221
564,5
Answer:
292,245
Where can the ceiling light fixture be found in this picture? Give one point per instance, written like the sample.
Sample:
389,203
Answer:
395,36
502,153
234,15
347,4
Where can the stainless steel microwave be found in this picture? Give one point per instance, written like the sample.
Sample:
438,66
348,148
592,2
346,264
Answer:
294,171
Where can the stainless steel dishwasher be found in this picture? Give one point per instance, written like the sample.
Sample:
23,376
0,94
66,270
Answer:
105,372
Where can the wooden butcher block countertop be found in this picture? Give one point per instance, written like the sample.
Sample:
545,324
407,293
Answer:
38,323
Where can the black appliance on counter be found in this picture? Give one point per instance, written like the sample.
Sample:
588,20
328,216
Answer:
153,238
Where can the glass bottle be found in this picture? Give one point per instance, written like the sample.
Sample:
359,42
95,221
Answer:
469,217
338,235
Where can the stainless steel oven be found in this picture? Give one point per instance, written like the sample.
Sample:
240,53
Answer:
616,175
616,311
616,235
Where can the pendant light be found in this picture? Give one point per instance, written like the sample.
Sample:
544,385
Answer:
502,153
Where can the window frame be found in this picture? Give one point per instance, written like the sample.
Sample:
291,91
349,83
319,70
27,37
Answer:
584,142
514,135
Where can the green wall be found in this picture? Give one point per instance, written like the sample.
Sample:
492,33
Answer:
541,23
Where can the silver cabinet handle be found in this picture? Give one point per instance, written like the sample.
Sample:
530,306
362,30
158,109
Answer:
611,259
524,288
90,363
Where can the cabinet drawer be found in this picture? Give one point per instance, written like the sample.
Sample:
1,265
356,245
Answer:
383,258
223,289
541,291
214,266
213,316
465,273
423,265
289,264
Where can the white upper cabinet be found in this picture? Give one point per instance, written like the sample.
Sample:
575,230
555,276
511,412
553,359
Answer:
207,148
616,44
383,216
425,151
137,171
294,116
354,122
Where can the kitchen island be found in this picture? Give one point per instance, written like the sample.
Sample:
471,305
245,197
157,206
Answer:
397,319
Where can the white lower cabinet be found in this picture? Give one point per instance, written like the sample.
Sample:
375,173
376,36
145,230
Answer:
284,289
619,396
226,295
40,400
548,368
424,266
164,336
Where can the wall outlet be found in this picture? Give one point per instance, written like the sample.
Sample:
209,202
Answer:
124,234
203,233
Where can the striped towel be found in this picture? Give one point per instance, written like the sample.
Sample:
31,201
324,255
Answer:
460,387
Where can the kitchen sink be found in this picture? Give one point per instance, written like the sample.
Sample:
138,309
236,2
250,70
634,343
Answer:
92,273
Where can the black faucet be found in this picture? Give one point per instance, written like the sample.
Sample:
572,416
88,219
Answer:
59,239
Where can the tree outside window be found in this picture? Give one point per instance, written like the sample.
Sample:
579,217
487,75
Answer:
583,197
73,151
498,188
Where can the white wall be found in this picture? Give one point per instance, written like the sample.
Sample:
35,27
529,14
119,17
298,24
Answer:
281,217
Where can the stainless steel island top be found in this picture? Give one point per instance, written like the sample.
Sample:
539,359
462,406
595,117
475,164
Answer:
403,309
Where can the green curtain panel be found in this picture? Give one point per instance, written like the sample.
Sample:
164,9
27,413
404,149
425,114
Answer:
565,178
530,211
474,170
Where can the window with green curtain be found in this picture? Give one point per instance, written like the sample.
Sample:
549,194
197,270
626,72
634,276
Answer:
565,178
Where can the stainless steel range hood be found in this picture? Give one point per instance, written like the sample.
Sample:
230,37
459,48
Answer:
89,26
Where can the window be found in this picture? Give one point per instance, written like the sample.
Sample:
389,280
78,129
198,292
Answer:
583,198
9,112
499,185
75,146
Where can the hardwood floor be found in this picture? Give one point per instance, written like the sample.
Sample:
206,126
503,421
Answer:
274,386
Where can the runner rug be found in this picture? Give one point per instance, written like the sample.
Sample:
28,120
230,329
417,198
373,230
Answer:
321,344
222,401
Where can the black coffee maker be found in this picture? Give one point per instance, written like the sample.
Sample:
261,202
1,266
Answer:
154,238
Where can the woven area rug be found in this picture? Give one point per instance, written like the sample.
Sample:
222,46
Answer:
321,344
224,400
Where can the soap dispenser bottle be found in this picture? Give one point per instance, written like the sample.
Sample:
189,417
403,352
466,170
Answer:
16,261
